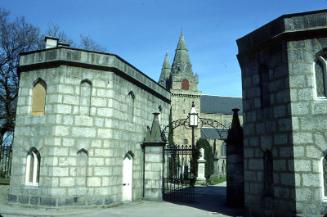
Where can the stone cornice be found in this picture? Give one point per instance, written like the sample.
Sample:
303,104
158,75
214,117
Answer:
287,27
55,57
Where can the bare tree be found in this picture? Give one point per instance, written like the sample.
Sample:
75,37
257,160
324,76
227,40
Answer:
55,31
86,42
89,44
16,36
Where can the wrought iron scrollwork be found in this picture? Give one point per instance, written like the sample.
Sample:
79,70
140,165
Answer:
202,122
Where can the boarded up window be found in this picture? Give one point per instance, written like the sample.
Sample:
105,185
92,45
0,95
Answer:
81,171
38,98
320,79
130,106
185,84
85,97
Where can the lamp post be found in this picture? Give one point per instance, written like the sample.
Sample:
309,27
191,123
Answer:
193,122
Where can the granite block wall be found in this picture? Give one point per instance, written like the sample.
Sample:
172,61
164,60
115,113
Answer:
291,124
106,133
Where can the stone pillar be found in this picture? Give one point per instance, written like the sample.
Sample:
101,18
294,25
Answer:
201,179
234,166
153,162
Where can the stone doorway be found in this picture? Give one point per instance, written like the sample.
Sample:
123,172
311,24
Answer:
127,178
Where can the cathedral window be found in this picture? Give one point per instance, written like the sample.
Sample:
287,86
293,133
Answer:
85,97
185,84
268,173
38,97
264,86
130,106
320,75
81,171
32,171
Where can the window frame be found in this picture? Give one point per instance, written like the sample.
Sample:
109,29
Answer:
82,97
323,63
43,84
321,165
131,106
35,170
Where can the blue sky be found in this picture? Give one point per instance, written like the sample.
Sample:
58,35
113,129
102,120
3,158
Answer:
141,31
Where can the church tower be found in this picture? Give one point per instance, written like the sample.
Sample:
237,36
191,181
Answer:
164,79
183,85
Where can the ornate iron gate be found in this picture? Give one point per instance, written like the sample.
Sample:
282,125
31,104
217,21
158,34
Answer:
178,180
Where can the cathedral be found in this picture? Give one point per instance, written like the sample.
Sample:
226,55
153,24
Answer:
182,83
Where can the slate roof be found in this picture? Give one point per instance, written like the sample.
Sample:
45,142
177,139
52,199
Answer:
211,133
219,104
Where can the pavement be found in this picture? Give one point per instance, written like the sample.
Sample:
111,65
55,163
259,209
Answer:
210,201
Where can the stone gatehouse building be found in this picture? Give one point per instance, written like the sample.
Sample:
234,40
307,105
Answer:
283,66
82,117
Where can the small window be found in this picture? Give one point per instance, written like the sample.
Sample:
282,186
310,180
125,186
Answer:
268,173
324,177
185,84
81,171
130,106
320,74
185,141
32,172
39,93
85,97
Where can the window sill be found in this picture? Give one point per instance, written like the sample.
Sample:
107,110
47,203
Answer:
31,185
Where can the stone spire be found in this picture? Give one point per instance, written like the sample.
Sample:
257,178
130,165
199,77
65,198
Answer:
165,72
181,64
154,134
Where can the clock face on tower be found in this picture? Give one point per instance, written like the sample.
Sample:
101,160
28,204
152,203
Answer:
185,84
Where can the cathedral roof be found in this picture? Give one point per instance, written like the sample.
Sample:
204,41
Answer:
211,133
165,71
181,63
218,104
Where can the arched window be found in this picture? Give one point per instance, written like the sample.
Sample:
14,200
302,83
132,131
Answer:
264,86
130,106
81,171
320,74
32,172
268,177
324,177
85,97
39,93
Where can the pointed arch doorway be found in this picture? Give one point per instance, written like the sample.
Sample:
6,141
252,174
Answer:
127,177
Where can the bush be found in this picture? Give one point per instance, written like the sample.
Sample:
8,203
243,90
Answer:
216,180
